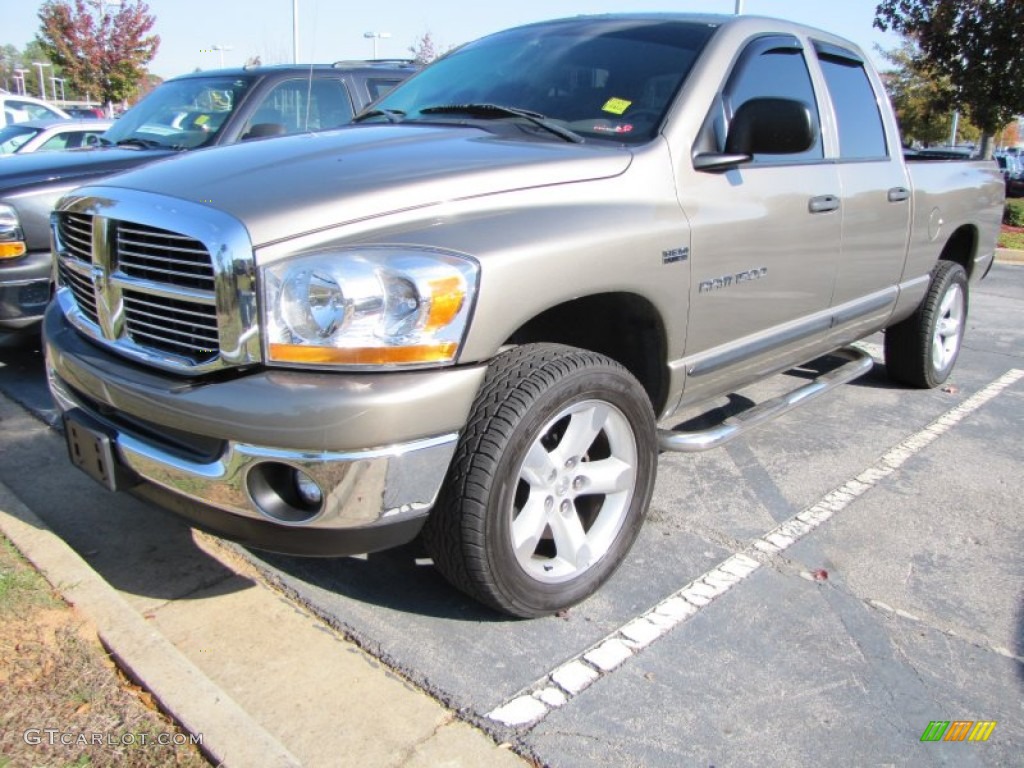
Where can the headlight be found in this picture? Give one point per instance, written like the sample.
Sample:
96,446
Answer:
12,241
368,307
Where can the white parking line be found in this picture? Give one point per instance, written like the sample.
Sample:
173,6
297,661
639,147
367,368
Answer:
561,685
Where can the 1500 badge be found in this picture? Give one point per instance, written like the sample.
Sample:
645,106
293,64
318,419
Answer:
727,281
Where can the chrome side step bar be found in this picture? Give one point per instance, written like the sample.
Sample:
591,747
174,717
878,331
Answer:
858,363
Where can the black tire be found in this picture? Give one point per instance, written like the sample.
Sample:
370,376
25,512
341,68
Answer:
922,350
509,478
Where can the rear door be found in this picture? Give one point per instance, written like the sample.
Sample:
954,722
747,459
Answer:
876,198
765,236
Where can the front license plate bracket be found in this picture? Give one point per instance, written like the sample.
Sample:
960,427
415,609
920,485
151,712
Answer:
91,448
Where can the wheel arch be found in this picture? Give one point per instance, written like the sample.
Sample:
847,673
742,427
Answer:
623,326
961,248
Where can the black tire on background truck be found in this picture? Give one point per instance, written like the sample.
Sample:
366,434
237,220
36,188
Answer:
922,350
550,482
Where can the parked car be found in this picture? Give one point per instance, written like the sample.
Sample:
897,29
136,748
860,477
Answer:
18,109
1012,168
203,109
464,315
87,113
51,135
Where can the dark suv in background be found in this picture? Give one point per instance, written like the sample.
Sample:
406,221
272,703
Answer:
199,110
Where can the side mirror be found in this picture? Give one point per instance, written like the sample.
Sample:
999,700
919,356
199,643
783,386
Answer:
762,127
771,127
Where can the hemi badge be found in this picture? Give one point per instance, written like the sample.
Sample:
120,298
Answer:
676,254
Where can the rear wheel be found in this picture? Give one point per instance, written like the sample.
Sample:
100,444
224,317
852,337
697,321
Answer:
550,482
922,350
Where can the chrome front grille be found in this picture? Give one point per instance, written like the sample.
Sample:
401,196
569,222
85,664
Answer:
148,253
181,300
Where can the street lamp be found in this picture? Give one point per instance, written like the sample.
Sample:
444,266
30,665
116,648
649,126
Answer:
19,81
375,36
295,31
739,7
221,49
42,82
53,82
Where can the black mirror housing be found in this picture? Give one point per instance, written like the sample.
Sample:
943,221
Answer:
771,127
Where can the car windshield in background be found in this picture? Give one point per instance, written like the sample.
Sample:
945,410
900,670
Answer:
13,136
182,114
598,78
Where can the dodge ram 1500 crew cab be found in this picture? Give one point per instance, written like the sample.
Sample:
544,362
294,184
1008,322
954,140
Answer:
466,315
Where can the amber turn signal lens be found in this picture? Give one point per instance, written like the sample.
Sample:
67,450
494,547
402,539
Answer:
12,250
411,355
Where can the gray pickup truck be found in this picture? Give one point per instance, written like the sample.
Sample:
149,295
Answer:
194,111
472,314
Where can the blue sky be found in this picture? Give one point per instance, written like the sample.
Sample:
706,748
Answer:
330,30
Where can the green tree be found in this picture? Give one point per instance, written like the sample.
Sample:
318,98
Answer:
921,98
103,49
976,44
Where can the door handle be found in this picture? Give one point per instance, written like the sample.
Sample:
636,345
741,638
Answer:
899,194
824,204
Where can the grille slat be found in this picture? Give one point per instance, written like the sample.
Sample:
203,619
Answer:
166,282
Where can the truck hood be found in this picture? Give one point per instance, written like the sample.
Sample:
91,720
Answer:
19,171
290,186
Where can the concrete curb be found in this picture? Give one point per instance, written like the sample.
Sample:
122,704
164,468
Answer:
230,736
1009,256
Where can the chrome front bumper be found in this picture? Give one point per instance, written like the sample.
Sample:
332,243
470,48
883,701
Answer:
226,454
360,488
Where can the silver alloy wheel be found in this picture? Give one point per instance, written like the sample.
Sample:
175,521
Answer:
949,328
575,486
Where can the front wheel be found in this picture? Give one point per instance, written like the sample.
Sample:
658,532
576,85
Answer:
550,482
922,350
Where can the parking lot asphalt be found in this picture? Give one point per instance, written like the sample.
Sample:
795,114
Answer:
820,591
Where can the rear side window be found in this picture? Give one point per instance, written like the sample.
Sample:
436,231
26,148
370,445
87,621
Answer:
774,68
861,133
378,86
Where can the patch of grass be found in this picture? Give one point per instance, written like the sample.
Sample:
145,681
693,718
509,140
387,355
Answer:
1013,212
1011,239
20,585
55,677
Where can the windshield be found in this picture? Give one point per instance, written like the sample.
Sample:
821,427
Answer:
13,136
180,114
600,78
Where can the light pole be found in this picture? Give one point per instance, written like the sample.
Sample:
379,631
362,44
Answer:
42,82
53,82
221,49
739,7
375,36
19,81
295,31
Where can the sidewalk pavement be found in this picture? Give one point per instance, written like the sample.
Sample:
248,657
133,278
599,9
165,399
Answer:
1009,256
264,682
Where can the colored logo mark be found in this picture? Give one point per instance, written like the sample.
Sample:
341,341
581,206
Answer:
958,730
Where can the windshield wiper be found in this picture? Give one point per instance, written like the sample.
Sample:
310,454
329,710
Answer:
144,143
393,115
498,110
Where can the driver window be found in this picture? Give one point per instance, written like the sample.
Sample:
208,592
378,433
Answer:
299,105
